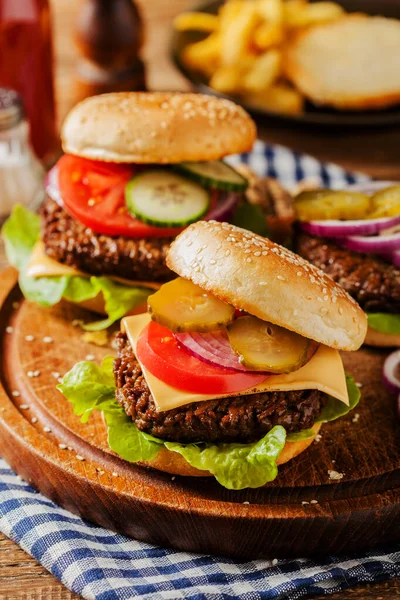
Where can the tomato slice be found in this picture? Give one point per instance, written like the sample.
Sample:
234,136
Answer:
158,350
94,193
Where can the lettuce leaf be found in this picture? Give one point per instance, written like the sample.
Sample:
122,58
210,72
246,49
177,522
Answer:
20,233
386,323
235,466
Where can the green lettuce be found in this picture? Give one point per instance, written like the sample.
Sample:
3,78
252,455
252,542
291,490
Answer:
386,323
89,387
20,233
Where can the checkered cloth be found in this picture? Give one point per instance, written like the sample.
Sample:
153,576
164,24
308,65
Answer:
100,565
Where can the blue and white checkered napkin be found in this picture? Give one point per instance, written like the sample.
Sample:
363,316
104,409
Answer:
100,565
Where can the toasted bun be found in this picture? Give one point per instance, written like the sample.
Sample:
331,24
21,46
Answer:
352,63
382,340
157,127
268,281
173,463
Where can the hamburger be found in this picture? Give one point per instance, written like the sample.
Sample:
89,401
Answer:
234,367
137,169
353,236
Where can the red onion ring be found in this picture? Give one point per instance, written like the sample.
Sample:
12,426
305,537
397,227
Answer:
339,229
51,185
224,208
213,348
375,244
391,372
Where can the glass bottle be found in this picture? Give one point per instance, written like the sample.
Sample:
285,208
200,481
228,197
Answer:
109,36
21,173
26,65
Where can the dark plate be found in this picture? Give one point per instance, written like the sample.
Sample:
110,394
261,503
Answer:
313,114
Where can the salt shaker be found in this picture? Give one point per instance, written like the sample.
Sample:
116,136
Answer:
21,173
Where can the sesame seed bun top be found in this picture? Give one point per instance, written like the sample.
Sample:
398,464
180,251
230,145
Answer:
157,127
268,281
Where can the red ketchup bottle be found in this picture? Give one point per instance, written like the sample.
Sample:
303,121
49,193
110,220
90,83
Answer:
26,65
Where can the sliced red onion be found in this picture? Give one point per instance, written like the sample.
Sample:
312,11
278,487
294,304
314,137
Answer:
391,372
338,229
51,185
213,348
224,208
375,244
395,258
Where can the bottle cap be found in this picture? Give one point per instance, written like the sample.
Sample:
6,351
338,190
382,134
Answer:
11,108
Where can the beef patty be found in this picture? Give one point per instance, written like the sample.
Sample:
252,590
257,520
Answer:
69,242
372,281
236,419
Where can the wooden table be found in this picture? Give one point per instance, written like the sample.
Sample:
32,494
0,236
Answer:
373,151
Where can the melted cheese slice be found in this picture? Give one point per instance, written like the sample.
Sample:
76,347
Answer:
324,372
41,265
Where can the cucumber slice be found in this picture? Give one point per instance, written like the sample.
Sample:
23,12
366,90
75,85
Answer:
215,174
165,199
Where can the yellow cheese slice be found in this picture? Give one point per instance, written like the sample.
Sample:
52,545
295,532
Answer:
41,265
324,372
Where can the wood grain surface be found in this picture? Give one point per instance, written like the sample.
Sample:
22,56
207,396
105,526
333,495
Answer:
375,152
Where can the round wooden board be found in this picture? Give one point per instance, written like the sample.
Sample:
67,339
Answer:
42,439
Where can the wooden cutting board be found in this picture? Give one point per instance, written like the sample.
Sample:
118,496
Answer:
71,463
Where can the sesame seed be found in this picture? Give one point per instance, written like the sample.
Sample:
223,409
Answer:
15,393
9,329
36,373
47,339
30,374
258,253
173,478
15,305
314,502
359,385
46,429
299,273
62,446
274,562
34,420
60,380
24,406
319,299
79,457
246,502
56,374
213,261
90,357
318,437
248,260
115,474
305,502
356,418
281,278
340,310
335,475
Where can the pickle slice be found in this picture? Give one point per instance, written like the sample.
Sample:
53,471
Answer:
263,346
386,203
182,306
318,205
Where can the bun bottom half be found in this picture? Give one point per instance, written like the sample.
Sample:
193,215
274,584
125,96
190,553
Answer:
381,340
174,464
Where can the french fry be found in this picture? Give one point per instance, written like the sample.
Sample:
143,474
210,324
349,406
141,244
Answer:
279,98
196,21
271,10
268,34
226,80
298,13
237,36
264,71
203,56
